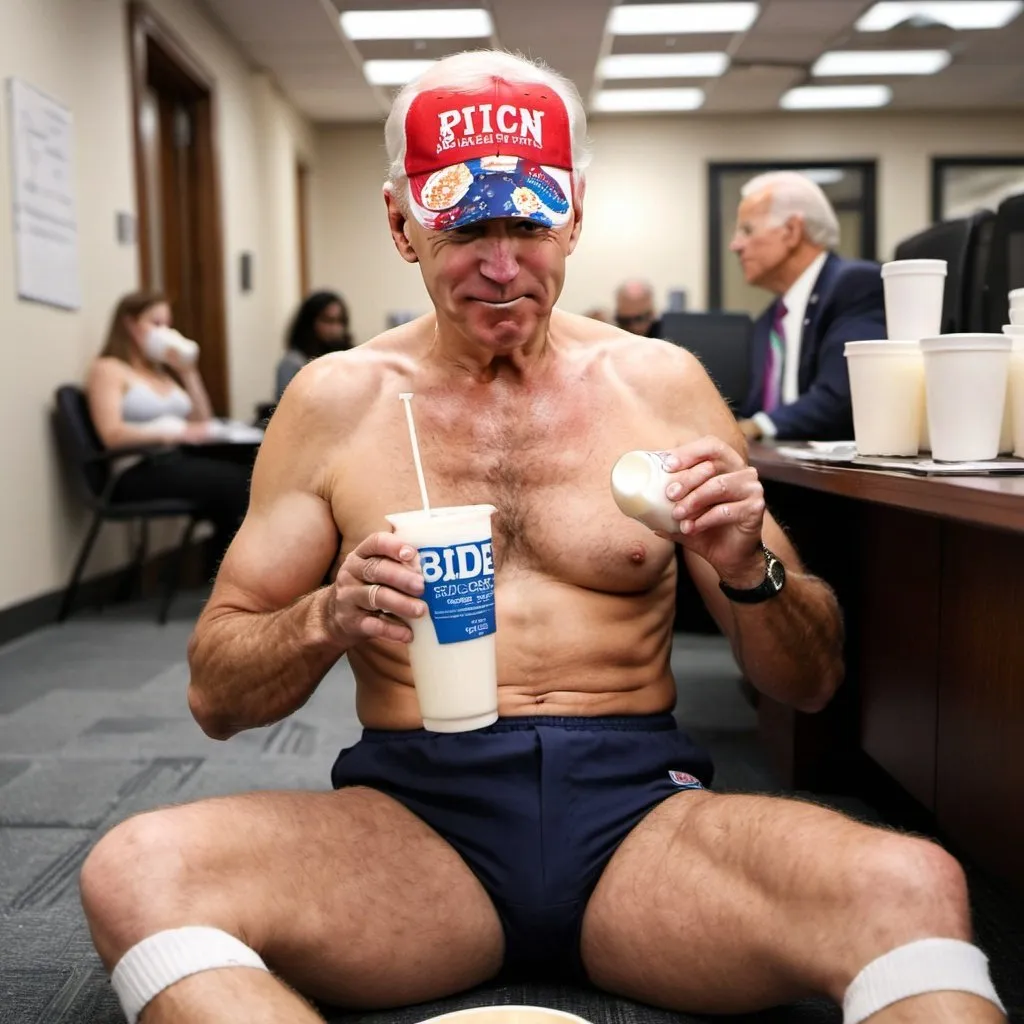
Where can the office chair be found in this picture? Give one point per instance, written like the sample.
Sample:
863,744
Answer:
94,480
721,341
975,292
1005,269
958,243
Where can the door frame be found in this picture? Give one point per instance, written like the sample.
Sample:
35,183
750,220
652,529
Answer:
154,49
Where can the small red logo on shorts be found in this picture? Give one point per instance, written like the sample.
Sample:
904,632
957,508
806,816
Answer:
684,780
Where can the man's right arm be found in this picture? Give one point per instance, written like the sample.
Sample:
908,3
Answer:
270,632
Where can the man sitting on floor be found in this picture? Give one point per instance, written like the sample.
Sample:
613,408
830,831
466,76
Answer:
576,836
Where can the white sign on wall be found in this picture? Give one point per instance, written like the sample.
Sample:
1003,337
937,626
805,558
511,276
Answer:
43,184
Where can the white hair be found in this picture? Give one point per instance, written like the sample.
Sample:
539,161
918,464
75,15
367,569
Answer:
468,72
794,193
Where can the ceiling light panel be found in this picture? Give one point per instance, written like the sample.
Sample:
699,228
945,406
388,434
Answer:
880,63
956,14
393,72
640,100
836,97
679,19
457,23
663,65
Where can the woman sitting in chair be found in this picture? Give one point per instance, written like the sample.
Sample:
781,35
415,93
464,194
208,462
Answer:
320,326
143,387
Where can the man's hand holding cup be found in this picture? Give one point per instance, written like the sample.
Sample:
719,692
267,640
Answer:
377,586
719,505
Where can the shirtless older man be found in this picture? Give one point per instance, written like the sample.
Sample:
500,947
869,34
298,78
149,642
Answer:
576,834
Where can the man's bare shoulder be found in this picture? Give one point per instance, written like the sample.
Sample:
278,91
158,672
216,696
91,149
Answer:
640,361
669,379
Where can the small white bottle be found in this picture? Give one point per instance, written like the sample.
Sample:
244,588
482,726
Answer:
639,480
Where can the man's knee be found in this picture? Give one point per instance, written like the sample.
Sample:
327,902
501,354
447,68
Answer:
905,884
130,879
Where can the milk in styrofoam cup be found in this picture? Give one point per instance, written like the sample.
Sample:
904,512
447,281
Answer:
887,394
913,298
452,654
965,380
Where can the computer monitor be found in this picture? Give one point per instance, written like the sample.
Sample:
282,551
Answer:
721,341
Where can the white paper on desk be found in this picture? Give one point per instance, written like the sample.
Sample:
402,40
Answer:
932,468
845,453
234,432
832,447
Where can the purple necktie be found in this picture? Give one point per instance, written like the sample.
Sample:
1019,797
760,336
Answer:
776,357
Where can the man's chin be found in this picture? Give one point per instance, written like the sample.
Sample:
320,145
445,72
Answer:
503,327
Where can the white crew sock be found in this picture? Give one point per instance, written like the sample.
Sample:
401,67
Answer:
927,965
161,960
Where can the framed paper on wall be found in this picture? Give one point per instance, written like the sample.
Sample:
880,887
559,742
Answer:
43,196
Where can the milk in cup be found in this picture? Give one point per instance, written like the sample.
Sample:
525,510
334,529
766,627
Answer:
452,654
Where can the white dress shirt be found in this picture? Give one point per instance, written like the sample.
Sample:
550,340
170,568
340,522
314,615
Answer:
796,300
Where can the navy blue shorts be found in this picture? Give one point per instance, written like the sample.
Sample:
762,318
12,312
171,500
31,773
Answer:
535,807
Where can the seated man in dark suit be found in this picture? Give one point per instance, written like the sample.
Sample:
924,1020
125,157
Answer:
785,231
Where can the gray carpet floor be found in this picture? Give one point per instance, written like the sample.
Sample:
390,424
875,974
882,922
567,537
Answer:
94,728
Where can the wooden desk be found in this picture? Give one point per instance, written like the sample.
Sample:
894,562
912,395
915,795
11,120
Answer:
930,572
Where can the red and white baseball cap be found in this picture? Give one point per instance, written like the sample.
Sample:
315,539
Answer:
505,151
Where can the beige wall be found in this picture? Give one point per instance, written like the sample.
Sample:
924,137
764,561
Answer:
646,196
76,52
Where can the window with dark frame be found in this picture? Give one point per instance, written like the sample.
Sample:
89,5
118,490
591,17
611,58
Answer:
964,185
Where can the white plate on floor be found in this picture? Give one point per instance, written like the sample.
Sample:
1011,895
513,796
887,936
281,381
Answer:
507,1015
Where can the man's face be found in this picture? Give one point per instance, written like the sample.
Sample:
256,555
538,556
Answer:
762,244
634,312
495,280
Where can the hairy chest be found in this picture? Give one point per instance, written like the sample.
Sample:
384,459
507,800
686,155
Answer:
543,458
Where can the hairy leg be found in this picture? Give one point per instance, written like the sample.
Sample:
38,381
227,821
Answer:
346,895
729,904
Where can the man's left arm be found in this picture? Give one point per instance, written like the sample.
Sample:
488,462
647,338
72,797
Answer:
790,646
824,411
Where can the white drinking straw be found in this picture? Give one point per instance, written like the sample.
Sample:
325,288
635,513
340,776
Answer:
407,399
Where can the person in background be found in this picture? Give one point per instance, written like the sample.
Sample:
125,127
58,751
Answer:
786,231
136,400
320,326
599,313
634,309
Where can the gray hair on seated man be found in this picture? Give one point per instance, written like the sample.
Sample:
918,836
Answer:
794,194
471,72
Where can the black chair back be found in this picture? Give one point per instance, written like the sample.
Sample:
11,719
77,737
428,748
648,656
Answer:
80,444
1005,269
975,293
721,341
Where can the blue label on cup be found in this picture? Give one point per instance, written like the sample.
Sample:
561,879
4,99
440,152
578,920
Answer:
459,590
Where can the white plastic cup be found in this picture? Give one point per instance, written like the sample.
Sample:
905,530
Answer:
1016,297
913,298
887,394
1015,385
1016,393
452,653
160,341
639,479
965,378
1017,315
